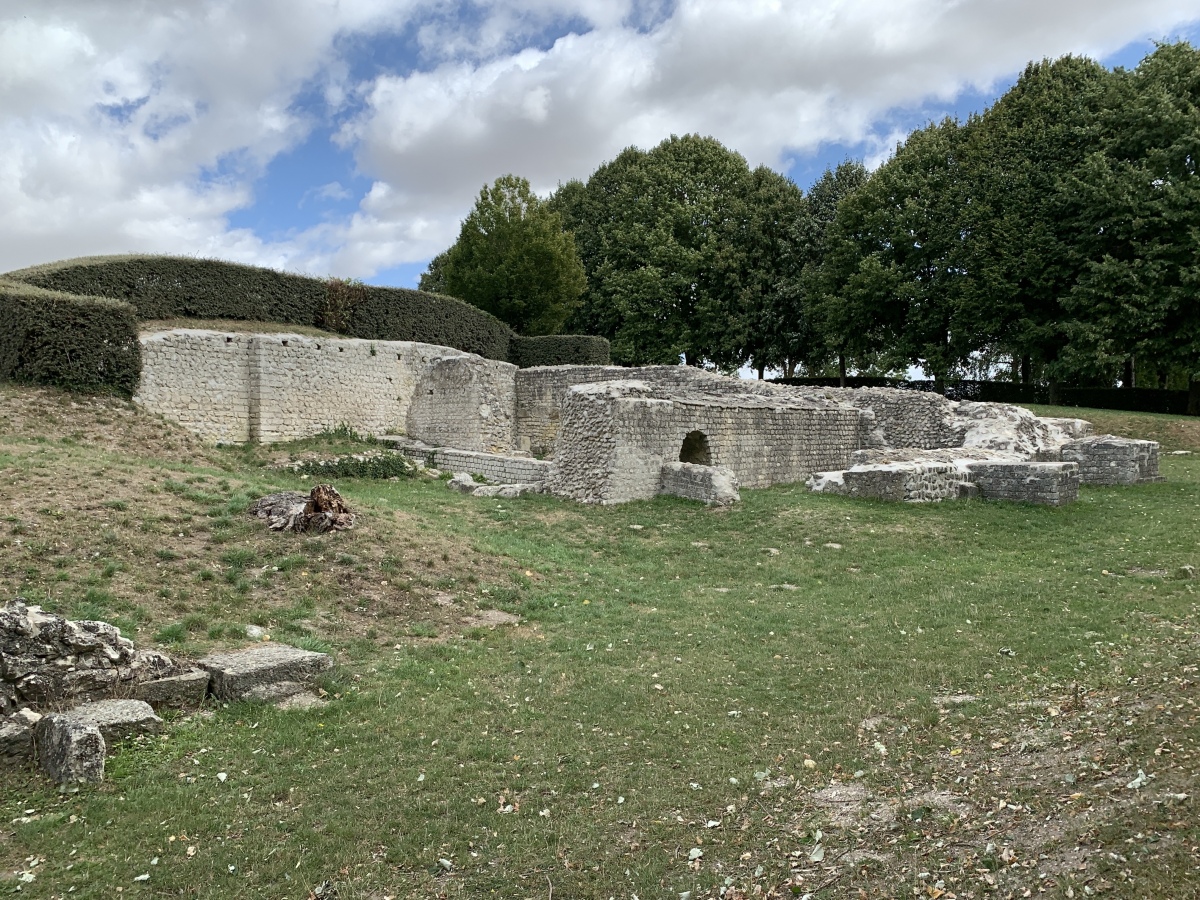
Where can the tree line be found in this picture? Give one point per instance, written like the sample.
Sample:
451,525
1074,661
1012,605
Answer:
1054,238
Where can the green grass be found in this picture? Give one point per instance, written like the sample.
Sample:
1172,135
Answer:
709,666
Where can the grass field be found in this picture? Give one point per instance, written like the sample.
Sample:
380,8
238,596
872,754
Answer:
804,694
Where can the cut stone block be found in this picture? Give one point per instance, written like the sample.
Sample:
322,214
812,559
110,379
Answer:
1054,484
70,750
117,719
16,743
714,485
234,674
184,691
1107,459
908,481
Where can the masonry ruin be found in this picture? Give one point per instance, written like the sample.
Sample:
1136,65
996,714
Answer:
607,434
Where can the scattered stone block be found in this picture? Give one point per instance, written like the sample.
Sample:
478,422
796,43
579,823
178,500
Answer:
70,750
234,674
16,743
714,485
116,719
185,691
463,483
1185,572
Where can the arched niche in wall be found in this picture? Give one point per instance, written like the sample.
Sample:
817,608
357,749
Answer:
695,449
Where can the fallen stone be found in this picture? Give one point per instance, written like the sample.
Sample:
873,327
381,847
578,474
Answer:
507,491
274,692
16,743
70,750
1185,572
184,691
463,483
116,719
303,700
234,674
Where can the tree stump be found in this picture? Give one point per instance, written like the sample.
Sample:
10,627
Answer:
321,510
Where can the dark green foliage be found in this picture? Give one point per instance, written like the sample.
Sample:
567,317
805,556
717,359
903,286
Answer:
660,234
400,314
559,350
1138,222
383,465
165,287
162,287
1020,251
513,259
77,342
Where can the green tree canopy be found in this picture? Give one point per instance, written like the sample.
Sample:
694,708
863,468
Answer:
512,259
1020,244
660,236
892,270
1138,220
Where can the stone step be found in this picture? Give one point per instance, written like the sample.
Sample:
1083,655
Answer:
185,691
234,675
116,719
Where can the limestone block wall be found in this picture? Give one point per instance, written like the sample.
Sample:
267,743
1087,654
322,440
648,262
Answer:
615,438
495,467
911,482
541,390
1051,483
467,402
904,418
1106,459
200,379
714,485
302,385
280,387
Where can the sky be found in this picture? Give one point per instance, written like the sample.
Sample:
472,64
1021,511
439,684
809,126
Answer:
350,137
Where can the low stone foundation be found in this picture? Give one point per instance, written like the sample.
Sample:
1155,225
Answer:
1107,459
714,485
495,467
911,482
1054,484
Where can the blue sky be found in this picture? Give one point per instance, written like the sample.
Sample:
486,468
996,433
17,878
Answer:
350,137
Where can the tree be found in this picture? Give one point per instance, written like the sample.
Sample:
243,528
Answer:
891,276
659,236
1021,249
1138,218
762,265
513,259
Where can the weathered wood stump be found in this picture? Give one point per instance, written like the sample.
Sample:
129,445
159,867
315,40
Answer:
321,510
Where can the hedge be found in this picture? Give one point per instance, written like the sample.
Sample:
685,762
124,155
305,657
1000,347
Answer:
166,287
399,314
559,350
76,342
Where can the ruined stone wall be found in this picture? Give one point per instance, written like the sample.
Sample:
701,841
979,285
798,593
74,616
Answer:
903,418
541,390
1106,459
200,379
302,385
616,437
466,402
280,387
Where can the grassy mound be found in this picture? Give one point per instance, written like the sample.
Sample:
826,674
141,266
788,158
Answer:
801,694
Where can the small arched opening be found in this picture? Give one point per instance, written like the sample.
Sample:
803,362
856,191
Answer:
695,449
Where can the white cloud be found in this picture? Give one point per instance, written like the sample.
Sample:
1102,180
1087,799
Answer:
142,126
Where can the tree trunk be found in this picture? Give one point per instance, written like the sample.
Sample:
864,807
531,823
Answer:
1128,376
1026,370
1054,398
1193,407
761,368
789,368
841,370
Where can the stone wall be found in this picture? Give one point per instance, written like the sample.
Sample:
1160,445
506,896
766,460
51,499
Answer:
714,485
280,387
1106,459
200,379
495,467
911,482
466,402
615,438
1054,484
